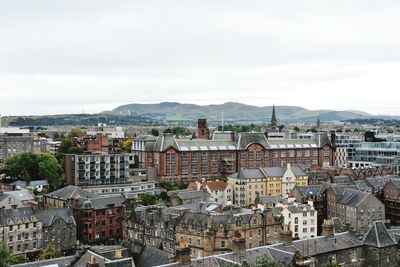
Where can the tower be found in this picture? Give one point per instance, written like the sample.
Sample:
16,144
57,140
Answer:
273,117
318,123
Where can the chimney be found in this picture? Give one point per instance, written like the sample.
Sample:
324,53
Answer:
285,236
92,262
327,228
183,253
118,253
238,243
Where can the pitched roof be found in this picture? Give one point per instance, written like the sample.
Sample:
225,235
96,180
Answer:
243,140
70,191
353,198
102,202
248,174
274,171
378,236
215,185
21,195
315,190
48,216
298,171
25,214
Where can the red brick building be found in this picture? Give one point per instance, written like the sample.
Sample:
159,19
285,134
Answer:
182,160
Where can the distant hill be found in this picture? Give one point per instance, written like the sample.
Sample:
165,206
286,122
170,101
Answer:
233,112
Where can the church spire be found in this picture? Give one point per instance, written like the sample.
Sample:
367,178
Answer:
318,123
273,118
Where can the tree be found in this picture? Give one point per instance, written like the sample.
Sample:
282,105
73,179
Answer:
154,132
147,199
296,129
347,130
50,252
50,169
264,261
126,145
331,263
29,166
17,259
4,255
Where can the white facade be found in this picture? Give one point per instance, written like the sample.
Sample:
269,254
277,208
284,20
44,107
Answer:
111,132
130,191
220,192
288,181
301,218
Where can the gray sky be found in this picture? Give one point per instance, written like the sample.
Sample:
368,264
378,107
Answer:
68,56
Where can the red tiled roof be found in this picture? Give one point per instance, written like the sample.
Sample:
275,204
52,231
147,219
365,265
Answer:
215,185
192,185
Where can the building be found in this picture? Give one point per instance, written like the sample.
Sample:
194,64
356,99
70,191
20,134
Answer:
371,154
221,192
188,196
21,230
355,208
92,143
317,195
99,220
17,198
59,229
38,185
300,218
213,233
377,248
98,169
111,132
13,143
129,191
391,200
275,181
182,160
345,149
106,256
202,130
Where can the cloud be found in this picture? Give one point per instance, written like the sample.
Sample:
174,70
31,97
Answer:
69,56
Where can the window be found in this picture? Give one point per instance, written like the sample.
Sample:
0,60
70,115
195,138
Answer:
222,244
10,238
190,240
26,225
10,228
296,220
305,213
304,230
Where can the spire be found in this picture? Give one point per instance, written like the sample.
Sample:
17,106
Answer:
273,117
318,123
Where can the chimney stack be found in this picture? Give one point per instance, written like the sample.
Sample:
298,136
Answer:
285,236
183,253
327,228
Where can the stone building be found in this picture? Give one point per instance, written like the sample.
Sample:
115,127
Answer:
221,192
21,230
392,201
357,209
188,196
13,144
59,229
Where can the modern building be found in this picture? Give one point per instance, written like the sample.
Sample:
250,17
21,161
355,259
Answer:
98,169
345,149
129,191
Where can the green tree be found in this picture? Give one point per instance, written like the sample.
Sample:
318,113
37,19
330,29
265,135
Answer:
50,252
4,254
331,263
126,145
17,259
347,130
50,169
147,199
154,132
339,130
296,129
264,261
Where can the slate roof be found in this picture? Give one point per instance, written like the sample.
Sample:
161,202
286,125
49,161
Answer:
151,256
339,189
274,171
315,190
379,236
59,262
25,214
243,140
343,180
364,185
269,200
102,202
48,216
321,244
187,194
70,191
338,226
248,174
353,198
21,195
298,171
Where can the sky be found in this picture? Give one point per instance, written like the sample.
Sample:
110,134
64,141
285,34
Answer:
73,56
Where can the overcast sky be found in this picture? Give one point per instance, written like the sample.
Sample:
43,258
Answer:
73,56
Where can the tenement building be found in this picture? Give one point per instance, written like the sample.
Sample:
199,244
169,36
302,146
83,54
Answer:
14,142
183,160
